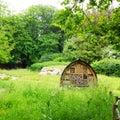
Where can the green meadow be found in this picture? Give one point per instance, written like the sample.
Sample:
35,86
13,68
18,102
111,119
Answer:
34,97
47,36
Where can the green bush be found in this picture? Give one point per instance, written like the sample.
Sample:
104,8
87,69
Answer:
110,67
110,53
46,57
39,66
56,57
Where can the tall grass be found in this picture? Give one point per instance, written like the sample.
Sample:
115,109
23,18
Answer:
34,97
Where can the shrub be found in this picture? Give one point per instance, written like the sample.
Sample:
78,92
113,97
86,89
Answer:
110,67
46,57
39,66
110,53
57,57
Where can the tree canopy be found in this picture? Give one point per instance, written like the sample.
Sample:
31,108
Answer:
5,34
72,32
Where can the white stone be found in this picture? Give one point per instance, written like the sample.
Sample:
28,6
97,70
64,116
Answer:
50,71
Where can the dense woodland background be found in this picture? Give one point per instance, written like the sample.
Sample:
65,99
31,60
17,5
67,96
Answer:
44,33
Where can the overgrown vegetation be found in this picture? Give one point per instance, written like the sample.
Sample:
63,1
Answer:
39,32
36,97
108,67
39,66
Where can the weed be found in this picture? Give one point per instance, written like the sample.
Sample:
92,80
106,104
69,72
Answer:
34,97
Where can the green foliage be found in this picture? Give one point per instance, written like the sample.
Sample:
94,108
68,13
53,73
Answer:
56,57
33,35
110,53
39,66
85,32
49,43
6,32
110,67
32,103
36,97
27,36
69,22
100,4
47,57
85,47
114,28
40,31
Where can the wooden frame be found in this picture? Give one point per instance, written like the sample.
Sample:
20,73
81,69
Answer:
79,74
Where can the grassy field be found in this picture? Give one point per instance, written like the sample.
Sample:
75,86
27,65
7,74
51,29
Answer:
34,97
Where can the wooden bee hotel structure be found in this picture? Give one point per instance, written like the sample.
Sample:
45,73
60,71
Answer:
79,74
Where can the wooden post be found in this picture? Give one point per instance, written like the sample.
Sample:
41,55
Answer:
115,109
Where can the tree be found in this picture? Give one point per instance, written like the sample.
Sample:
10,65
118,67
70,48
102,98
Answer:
114,29
96,21
35,35
5,35
98,4
69,22
5,44
88,28
83,47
